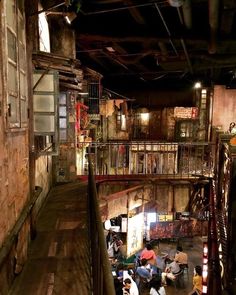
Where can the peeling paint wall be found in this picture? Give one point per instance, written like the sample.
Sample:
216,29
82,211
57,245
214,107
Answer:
62,37
113,132
224,107
166,198
14,178
43,178
168,124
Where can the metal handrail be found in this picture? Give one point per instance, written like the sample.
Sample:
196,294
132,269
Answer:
102,280
148,158
214,269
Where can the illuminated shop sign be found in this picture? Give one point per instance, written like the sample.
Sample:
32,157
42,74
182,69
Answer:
164,217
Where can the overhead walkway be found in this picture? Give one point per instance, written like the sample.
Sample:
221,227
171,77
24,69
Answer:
59,260
62,258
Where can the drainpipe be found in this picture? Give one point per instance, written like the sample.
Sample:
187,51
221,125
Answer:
187,14
214,24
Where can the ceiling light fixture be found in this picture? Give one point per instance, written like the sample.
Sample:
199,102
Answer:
70,16
83,93
197,85
110,49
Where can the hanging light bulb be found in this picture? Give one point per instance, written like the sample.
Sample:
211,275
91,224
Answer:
197,85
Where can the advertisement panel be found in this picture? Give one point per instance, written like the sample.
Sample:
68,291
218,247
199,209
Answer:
135,234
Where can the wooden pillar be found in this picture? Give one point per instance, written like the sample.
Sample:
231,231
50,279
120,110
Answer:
32,41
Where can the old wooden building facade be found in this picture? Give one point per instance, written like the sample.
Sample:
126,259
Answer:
55,111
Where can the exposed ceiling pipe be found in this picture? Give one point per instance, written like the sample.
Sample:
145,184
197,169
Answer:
49,8
120,8
166,27
181,40
214,24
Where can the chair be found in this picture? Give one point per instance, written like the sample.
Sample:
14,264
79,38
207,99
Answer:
179,280
184,267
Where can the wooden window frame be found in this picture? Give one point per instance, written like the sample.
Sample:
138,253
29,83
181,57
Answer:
47,142
21,97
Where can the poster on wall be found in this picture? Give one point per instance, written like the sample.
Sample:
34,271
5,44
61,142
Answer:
186,113
177,229
135,234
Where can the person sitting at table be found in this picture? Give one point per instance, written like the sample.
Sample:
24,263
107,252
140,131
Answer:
172,270
156,288
181,257
149,254
143,274
130,286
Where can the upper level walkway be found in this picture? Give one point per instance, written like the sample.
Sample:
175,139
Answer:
60,260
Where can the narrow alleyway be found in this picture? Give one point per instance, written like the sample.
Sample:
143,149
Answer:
59,260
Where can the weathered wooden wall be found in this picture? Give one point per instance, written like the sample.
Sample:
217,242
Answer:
164,198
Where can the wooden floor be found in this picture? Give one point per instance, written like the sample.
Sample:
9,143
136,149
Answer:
59,260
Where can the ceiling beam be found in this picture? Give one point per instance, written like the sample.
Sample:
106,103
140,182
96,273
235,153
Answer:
135,13
141,39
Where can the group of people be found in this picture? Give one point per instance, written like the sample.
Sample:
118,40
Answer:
127,285
153,272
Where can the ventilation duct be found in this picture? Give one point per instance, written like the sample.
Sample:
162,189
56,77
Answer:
176,3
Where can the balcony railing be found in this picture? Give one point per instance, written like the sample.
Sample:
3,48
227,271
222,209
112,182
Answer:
148,158
102,280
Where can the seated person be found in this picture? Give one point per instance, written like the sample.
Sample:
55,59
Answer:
143,273
172,270
156,287
180,257
130,286
197,281
149,254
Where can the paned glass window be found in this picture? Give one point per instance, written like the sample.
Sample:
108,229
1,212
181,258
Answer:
121,122
17,115
62,117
